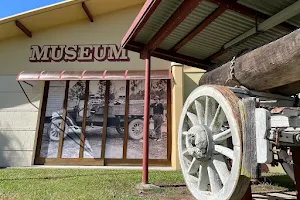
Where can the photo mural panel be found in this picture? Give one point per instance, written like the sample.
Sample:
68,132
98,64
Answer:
95,117
73,123
50,138
158,120
115,122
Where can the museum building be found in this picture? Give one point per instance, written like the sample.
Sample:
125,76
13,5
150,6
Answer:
70,95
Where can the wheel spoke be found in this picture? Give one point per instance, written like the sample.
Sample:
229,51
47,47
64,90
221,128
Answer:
222,136
214,180
206,110
193,118
213,108
224,150
194,167
203,177
200,111
221,167
217,120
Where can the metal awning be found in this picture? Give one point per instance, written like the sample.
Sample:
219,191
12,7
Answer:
92,75
202,33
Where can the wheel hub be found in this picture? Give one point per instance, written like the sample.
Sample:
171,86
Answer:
199,142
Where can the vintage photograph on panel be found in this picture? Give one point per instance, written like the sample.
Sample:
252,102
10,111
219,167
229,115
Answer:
73,122
49,147
158,120
116,112
92,147
95,118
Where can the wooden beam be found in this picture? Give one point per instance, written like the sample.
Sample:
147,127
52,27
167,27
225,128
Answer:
104,127
126,120
171,56
250,165
23,28
87,12
185,8
216,13
262,69
42,121
232,5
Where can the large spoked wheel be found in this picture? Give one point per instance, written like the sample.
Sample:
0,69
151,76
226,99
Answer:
210,144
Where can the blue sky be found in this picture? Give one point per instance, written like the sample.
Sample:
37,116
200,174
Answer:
12,7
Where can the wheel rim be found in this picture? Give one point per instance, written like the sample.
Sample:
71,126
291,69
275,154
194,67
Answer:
209,142
137,129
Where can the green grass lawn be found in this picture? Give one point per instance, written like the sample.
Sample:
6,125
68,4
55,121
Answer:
77,183
98,184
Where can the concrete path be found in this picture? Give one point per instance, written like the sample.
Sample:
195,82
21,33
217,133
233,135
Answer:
275,196
258,196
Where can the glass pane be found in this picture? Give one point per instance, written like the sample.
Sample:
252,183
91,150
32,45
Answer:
135,126
73,125
115,122
158,120
94,121
50,140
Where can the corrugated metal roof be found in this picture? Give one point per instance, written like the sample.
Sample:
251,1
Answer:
198,15
157,19
271,7
211,40
223,29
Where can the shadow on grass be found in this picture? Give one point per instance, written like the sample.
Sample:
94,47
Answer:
65,176
281,180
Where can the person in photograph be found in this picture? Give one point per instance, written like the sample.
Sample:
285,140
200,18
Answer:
158,111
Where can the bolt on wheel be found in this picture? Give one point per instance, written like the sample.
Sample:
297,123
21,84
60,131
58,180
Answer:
210,144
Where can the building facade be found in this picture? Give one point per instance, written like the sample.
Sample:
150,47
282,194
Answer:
71,96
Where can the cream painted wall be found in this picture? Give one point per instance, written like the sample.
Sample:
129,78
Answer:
106,29
192,76
19,118
185,80
18,122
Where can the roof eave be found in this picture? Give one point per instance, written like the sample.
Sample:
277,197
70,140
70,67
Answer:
148,8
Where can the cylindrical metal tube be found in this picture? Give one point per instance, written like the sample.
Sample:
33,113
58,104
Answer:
146,120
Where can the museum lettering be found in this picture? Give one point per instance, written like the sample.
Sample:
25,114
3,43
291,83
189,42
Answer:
80,53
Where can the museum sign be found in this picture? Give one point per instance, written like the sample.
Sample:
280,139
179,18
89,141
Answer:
80,53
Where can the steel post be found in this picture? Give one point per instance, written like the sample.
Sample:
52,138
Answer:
146,120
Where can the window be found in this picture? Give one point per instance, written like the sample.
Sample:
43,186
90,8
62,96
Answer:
101,122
